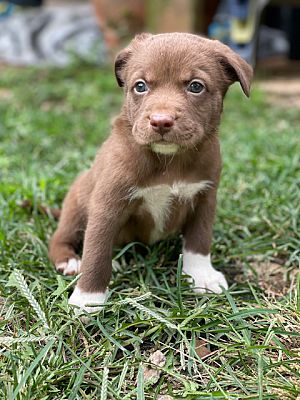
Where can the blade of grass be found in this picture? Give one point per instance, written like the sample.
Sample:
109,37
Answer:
78,381
31,368
140,383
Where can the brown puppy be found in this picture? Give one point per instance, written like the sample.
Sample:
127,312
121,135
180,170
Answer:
158,172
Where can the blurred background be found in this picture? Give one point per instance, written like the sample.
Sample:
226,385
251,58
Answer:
52,32
257,29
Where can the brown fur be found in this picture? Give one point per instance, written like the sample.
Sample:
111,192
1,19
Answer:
98,209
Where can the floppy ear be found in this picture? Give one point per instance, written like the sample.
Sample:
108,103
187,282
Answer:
120,63
235,68
124,55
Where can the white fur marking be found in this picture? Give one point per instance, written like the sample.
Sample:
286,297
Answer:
167,148
71,267
158,200
84,299
205,277
186,191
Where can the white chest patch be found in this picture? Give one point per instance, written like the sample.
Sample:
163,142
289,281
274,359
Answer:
157,200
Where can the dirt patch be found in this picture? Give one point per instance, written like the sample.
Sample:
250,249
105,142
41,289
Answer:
276,280
282,92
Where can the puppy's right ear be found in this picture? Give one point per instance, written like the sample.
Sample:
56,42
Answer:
124,55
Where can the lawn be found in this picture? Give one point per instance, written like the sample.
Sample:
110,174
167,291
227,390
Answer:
51,123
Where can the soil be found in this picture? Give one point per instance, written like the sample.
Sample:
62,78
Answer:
280,80
282,92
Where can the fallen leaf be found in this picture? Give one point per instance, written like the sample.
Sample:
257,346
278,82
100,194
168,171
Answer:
151,375
201,348
157,358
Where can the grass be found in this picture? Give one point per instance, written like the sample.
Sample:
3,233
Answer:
51,123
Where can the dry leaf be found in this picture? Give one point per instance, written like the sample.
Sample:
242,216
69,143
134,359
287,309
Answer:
157,358
201,348
151,375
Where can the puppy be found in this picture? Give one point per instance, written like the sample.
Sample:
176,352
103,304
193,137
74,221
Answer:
157,173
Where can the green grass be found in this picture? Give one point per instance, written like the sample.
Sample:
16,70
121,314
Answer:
51,123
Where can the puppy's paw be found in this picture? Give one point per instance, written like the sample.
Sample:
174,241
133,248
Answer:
89,302
211,283
203,274
70,267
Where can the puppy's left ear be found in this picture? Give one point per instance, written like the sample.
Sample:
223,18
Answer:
120,63
124,55
235,68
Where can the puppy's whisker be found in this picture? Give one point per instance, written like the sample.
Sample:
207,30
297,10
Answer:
170,161
195,147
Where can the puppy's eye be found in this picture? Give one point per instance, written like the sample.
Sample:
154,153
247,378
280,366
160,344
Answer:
140,87
195,87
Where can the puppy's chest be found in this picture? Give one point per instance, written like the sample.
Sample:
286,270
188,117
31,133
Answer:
160,202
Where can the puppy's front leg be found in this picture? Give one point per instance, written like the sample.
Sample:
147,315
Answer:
196,247
103,222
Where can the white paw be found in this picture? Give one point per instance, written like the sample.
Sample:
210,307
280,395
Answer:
89,302
202,273
214,282
70,267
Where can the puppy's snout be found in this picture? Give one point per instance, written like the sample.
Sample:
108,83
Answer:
161,122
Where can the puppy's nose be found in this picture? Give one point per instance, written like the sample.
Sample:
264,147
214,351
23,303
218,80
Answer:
161,122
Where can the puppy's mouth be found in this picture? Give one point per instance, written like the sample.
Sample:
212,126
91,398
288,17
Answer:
164,148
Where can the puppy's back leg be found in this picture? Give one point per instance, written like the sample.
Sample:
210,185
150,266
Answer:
69,234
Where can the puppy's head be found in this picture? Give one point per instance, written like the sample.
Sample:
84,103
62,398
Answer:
174,87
